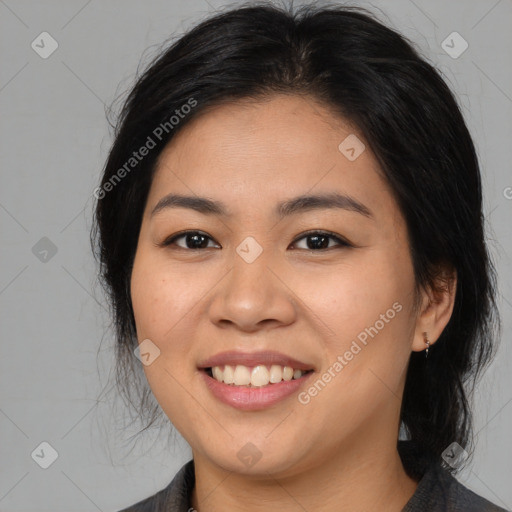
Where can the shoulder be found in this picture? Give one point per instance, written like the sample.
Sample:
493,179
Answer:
438,490
175,497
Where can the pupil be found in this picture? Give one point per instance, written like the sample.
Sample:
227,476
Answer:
195,245
316,245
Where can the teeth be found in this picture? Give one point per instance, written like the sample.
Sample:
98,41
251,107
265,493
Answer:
256,376
218,373
260,376
242,376
228,374
276,374
287,373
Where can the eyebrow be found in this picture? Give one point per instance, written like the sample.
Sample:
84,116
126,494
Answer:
284,209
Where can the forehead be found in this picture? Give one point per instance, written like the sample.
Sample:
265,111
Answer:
252,152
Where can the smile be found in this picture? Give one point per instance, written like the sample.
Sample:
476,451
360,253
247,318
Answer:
252,381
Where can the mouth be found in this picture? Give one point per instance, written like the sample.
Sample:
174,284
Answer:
253,381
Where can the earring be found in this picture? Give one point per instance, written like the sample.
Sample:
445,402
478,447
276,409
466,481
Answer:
428,344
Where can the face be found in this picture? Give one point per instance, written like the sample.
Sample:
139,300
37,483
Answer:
241,289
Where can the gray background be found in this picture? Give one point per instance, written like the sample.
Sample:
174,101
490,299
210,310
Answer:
53,142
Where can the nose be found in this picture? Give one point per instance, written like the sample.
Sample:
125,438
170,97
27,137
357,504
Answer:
252,296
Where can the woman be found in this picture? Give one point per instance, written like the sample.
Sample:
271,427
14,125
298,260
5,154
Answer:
290,229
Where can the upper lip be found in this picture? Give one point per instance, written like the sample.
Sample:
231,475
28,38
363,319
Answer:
251,359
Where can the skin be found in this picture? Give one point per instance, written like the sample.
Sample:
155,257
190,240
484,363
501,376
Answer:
310,304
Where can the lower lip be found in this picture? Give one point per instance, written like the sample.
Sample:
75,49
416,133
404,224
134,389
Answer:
252,399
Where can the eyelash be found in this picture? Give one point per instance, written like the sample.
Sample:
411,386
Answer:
342,243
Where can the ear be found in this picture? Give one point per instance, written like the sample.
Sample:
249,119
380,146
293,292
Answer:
436,308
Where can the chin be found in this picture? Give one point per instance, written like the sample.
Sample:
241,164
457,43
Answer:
257,458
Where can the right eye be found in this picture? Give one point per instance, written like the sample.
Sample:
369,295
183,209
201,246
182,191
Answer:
193,240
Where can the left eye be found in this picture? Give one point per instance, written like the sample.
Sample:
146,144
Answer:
320,240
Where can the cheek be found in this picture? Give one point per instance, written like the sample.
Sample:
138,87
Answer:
163,302
372,321
162,297
364,309
353,296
